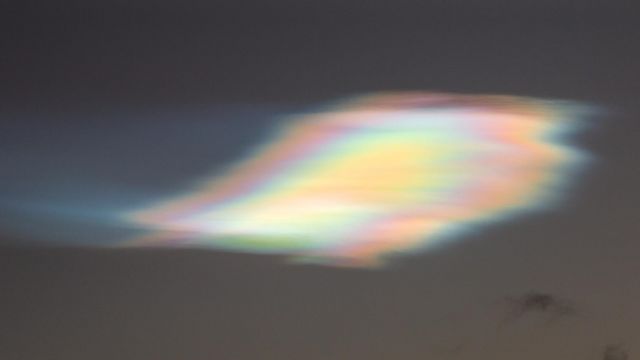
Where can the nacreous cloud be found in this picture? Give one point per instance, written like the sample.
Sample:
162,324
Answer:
378,174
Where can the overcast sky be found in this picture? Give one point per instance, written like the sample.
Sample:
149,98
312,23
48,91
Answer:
103,105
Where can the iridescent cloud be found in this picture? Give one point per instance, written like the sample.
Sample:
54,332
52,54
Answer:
375,175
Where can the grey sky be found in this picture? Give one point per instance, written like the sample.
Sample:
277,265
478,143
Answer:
72,72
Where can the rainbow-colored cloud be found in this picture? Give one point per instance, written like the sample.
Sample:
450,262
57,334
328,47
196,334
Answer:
375,175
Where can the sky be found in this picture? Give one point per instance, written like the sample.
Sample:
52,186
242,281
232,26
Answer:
106,107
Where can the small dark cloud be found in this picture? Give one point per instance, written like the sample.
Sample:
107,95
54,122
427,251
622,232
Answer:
538,303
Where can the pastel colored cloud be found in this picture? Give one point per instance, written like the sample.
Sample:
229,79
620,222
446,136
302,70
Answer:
376,175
